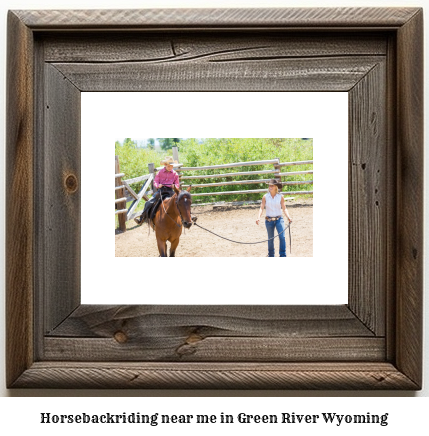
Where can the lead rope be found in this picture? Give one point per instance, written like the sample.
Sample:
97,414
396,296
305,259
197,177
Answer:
230,240
251,243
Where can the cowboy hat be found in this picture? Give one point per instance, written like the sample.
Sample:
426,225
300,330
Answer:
168,161
275,182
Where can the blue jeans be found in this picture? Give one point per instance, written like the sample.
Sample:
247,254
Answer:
280,226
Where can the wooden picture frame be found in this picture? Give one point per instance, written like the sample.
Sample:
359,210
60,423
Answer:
373,342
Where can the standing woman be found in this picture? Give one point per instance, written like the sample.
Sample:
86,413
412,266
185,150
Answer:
275,204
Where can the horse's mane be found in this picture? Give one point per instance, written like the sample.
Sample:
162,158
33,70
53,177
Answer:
183,194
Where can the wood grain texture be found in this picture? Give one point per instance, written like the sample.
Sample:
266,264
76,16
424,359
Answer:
391,192
368,203
218,348
62,198
99,321
110,375
207,50
301,74
410,199
175,348
19,210
173,47
208,18
213,333
40,261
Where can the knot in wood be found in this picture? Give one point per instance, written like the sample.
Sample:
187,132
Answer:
193,338
71,183
120,337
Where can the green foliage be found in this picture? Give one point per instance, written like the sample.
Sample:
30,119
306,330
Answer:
168,143
151,143
216,151
133,161
128,142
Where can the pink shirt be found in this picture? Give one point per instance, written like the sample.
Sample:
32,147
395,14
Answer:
168,178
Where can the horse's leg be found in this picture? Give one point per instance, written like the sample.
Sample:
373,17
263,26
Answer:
173,247
162,247
162,243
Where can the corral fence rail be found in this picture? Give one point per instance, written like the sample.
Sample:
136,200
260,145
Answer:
124,192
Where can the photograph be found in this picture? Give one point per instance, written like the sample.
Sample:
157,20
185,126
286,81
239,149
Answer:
214,197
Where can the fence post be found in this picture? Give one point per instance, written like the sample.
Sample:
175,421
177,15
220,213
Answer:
277,168
120,193
176,154
151,167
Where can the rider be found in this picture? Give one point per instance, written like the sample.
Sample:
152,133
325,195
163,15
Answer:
164,181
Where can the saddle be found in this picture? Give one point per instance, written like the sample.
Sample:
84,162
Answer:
152,206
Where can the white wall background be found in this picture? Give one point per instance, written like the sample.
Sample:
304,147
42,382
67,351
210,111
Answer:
322,116
93,4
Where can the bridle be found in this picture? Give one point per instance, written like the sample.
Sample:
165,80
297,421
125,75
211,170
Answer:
182,221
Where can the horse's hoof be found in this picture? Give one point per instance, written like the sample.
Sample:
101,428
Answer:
194,218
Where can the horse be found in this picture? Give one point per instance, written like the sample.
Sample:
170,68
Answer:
172,214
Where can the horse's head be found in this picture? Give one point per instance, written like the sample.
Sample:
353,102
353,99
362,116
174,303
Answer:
183,202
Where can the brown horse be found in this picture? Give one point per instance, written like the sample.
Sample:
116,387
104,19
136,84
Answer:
171,215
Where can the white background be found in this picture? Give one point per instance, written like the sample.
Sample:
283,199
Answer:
322,116
406,416
409,414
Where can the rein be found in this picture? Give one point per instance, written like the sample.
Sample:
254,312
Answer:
178,209
181,219
251,243
219,236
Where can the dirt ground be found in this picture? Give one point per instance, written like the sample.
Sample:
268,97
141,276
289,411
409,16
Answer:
237,223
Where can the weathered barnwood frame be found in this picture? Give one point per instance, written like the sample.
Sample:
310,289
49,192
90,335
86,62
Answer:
373,342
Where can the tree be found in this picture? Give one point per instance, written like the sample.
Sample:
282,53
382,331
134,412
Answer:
167,143
128,142
151,143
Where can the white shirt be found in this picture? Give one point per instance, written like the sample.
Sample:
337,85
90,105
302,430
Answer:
273,205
